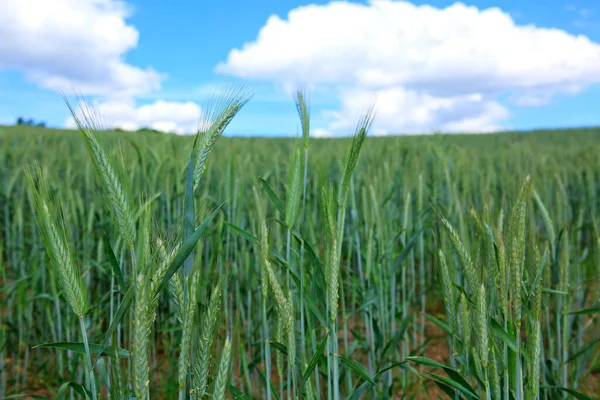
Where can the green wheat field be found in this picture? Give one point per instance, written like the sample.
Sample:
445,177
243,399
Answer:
147,265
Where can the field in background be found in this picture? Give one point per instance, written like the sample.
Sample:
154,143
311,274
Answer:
402,191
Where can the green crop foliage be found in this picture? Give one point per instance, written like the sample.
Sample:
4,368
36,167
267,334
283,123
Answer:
147,265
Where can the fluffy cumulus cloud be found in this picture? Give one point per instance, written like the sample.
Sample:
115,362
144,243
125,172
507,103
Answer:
410,111
80,46
173,117
73,44
426,68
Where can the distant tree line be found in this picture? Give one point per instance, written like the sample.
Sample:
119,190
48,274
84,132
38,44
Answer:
145,129
30,122
140,130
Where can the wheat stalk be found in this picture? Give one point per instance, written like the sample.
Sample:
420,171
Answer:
223,372
61,261
115,197
203,344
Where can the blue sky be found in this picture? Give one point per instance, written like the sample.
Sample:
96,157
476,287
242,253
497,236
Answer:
444,67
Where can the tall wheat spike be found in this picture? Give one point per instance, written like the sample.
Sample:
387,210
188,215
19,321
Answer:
219,113
142,318
117,201
203,344
61,261
222,377
450,298
294,190
189,321
463,253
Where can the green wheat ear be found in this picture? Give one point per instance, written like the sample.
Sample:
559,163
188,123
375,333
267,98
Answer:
61,261
142,326
358,139
192,283
303,113
204,342
218,116
60,257
450,298
517,259
294,191
482,326
116,385
494,375
281,301
463,254
115,198
466,320
223,373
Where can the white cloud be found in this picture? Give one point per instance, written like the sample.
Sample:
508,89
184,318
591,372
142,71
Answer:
73,45
406,111
80,46
174,117
430,68
321,133
532,99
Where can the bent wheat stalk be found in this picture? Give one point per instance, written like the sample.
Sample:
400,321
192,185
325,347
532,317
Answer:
61,260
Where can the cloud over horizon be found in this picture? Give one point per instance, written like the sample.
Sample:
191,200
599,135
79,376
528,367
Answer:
73,44
165,116
79,46
426,68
